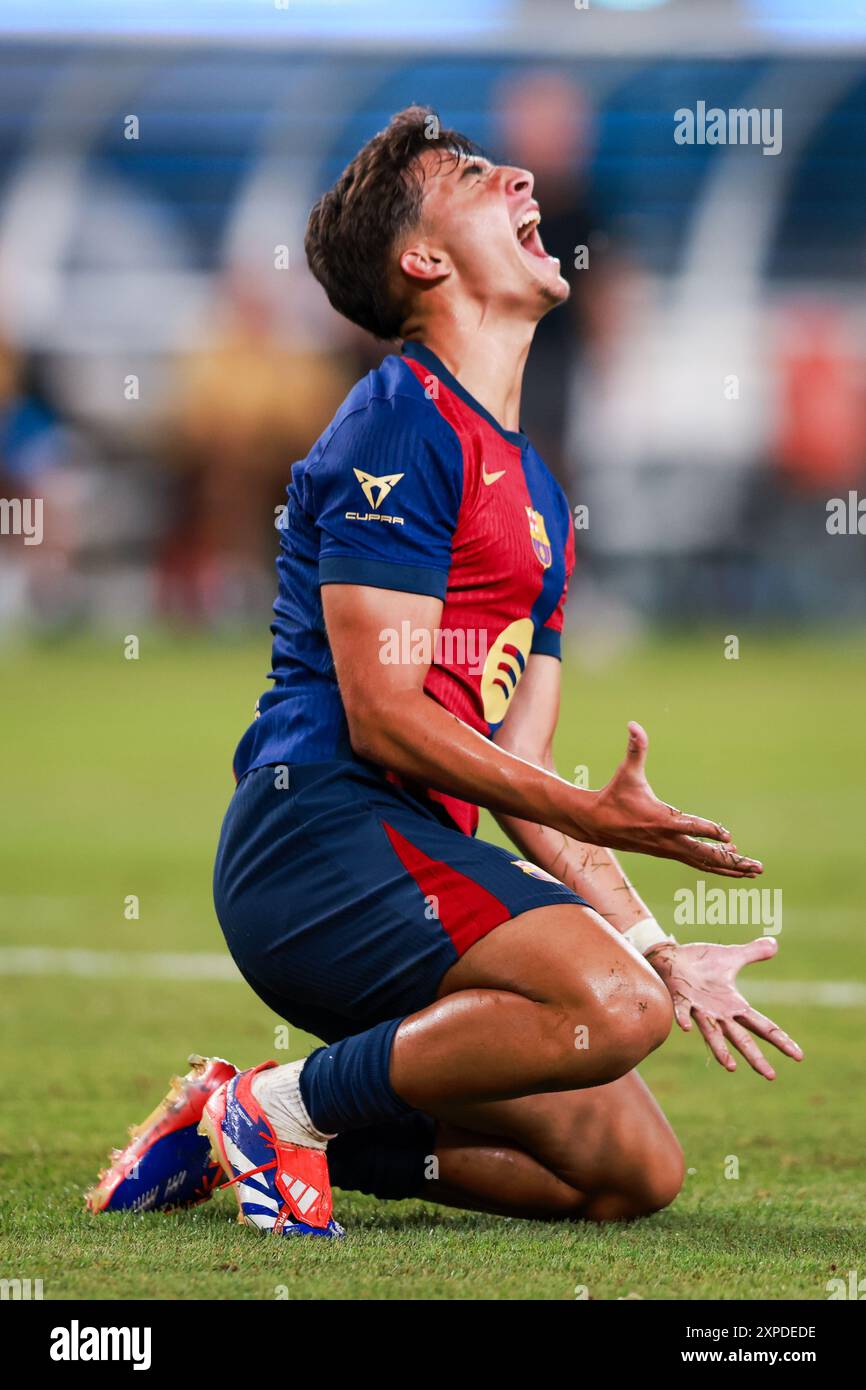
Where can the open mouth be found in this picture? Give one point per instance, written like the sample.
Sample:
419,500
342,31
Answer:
528,239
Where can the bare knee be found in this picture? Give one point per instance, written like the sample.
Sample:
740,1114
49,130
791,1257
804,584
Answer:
634,1025
599,1040
661,1180
657,1184
656,1015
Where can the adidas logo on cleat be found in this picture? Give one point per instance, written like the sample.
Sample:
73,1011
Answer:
302,1194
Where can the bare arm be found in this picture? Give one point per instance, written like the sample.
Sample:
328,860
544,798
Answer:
592,871
394,723
701,977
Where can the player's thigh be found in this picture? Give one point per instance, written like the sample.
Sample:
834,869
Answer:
568,957
610,1139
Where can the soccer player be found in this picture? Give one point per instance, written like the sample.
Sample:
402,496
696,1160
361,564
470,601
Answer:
483,1010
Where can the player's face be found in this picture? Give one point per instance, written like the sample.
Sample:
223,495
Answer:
484,218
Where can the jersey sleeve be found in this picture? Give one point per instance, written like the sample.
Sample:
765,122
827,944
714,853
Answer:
385,494
548,639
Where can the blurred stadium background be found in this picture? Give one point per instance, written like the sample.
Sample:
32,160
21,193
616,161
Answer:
165,356
156,257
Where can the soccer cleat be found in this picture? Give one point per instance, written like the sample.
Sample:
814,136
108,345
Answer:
282,1189
167,1163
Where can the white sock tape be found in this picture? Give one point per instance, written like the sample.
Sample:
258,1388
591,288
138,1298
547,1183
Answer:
646,933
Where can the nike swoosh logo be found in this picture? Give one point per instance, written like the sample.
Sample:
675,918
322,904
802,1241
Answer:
491,477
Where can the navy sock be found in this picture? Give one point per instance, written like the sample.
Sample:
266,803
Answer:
345,1085
390,1160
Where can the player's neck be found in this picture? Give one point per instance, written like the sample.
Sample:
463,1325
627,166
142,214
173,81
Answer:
488,360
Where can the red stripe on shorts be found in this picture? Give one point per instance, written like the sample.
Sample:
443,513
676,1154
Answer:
465,909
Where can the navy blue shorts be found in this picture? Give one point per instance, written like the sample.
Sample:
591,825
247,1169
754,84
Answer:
344,899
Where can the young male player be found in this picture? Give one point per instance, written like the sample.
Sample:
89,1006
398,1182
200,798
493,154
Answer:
484,1011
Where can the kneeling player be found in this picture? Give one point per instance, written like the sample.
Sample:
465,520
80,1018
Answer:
484,1011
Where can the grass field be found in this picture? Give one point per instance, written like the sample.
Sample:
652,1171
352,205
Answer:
115,778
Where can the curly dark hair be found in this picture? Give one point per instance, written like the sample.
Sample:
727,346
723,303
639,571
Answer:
353,227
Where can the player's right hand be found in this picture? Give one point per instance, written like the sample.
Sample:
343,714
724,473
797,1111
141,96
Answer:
627,815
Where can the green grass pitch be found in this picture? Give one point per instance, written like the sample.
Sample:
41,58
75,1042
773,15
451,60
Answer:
115,777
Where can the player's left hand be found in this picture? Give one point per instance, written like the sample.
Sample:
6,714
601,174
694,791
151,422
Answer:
701,980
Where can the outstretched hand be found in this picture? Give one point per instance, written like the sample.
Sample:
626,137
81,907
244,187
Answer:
701,981
628,815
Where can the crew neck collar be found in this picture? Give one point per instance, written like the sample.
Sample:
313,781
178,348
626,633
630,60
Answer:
421,353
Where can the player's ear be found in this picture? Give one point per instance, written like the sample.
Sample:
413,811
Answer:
422,263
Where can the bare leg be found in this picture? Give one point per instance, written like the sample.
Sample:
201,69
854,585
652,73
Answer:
601,1154
553,1000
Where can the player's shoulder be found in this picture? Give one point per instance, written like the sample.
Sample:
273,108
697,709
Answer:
388,409
386,428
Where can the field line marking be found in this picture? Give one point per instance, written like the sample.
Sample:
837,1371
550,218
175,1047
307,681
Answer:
116,965
210,965
831,994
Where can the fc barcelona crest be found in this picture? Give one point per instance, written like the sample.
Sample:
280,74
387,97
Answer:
539,537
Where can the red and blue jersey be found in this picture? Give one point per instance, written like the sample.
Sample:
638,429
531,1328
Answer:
414,487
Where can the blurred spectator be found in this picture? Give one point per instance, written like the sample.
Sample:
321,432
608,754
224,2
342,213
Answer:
246,407
30,434
821,443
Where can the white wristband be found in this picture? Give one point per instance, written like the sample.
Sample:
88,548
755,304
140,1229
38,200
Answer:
646,933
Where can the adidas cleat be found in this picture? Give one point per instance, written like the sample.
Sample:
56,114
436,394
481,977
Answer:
167,1163
282,1189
